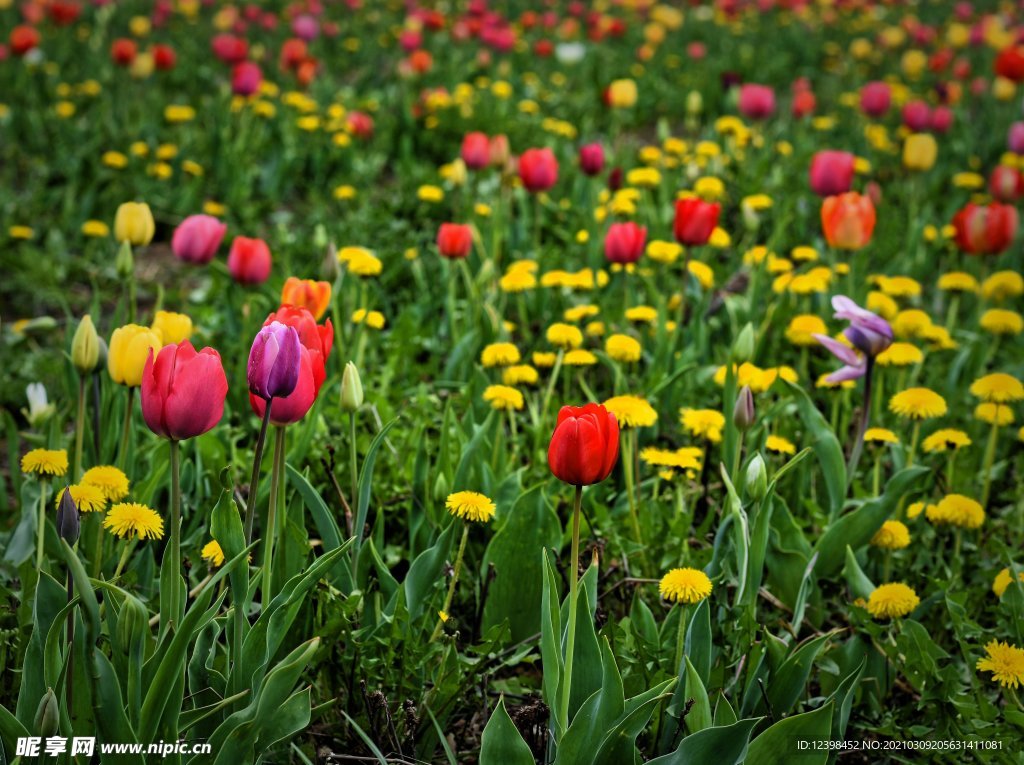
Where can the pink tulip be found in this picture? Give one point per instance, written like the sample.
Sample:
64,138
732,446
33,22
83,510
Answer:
197,238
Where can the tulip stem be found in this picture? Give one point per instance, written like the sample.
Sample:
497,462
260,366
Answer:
451,585
570,643
352,461
126,430
80,428
254,482
41,524
174,544
268,537
990,457
862,426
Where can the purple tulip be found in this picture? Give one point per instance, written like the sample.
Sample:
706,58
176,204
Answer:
197,238
274,361
868,333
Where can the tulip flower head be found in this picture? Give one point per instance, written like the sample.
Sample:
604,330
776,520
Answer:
592,159
454,240
183,391
134,224
249,260
130,346
538,169
476,150
832,172
695,220
197,238
985,229
312,295
624,242
585,444
848,220
868,333
274,360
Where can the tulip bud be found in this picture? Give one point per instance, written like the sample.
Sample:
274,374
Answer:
441,487
743,348
67,518
85,346
132,621
329,269
125,262
694,103
351,389
757,478
134,224
743,414
47,719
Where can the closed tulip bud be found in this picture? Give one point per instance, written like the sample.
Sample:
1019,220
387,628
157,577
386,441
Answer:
592,159
585,445
832,172
454,240
183,391
351,389
694,103
622,94
129,348
538,169
67,518
329,268
441,487
250,261
624,242
743,348
756,102
47,719
124,264
173,327
85,346
875,98
134,224
744,414
476,150
274,361
920,151
132,621
695,221
756,478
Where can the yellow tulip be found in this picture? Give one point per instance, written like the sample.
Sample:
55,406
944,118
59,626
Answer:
920,151
85,346
173,327
134,224
622,94
129,348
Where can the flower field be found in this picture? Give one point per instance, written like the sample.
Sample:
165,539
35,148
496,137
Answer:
511,382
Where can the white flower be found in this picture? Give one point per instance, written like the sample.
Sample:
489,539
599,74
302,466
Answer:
39,407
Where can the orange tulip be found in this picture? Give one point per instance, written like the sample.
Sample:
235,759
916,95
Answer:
312,295
848,220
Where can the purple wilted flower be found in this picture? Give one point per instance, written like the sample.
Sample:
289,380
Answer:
868,333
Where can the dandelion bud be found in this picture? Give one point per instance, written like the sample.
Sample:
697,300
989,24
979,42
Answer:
125,262
67,518
85,346
351,389
743,414
743,348
757,478
47,719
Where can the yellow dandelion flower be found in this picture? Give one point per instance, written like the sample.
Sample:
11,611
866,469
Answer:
45,462
882,304
1002,285
1005,662
661,251
958,281
956,510
95,229
900,355
631,411
893,535
1000,321
916,508
899,286
470,506
212,553
130,519
519,374
892,601
994,414
703,423
429,193
372,319
685,585
579,358
910,323
544,359
880,436
517,280
88,498
499,355
109,479
946,438
564,336
1003,580
801,328
623,348
503,397
780,445
998,387
702,272
824,382
642,314
918,404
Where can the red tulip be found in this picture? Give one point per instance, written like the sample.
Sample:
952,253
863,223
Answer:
804,103
942,119
538,169
123,51
249,260
164,57
756,102
624,242
476,150
229,49
985,229
695,220
197,238
360,125
917,116
585,444
832,172
246,78
64,12
183,391
1006,183
499,151
592,159
318,339
848,220
875,98
293,52
22,39
1010,63
454,240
